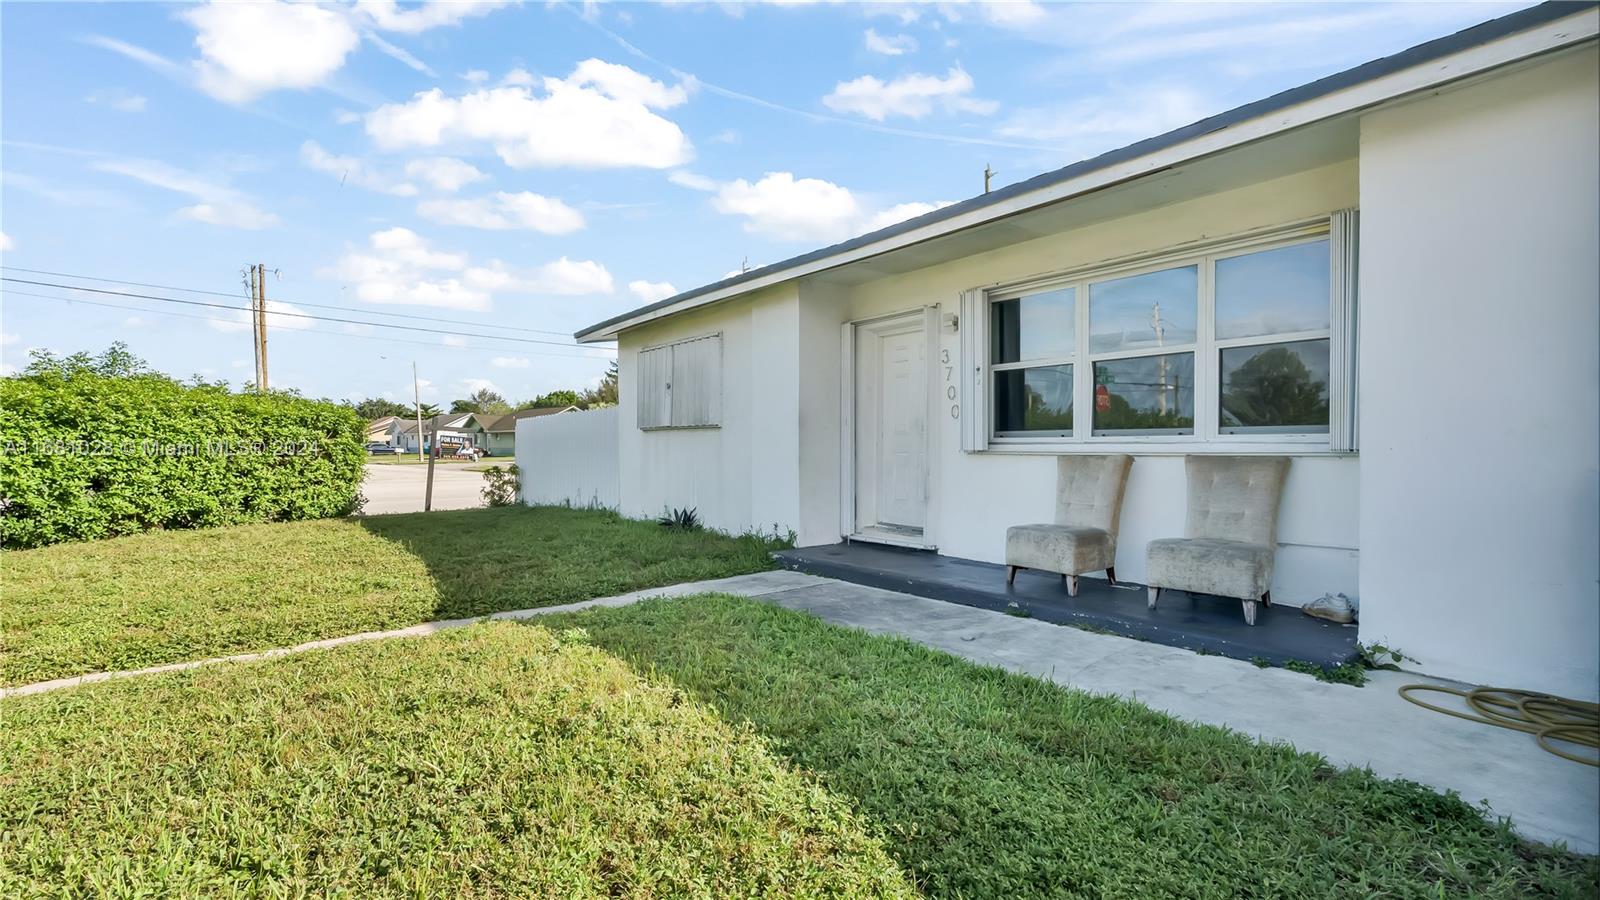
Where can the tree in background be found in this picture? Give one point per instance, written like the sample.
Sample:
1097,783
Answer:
482,400
553,399
377,407
427,411
605,394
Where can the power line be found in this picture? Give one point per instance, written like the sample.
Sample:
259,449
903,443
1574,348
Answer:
227,306
373,312
365,337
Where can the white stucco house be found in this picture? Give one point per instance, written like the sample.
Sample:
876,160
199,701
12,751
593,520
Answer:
1390,275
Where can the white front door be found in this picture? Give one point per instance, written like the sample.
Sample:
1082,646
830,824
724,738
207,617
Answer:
891,426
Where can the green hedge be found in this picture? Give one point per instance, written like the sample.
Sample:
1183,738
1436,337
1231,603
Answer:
91,456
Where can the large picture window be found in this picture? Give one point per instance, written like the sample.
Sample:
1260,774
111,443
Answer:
1229,346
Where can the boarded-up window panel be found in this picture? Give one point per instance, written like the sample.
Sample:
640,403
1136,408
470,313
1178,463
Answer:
696,386
655,400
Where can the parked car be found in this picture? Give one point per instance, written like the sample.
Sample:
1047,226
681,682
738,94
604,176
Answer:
378,448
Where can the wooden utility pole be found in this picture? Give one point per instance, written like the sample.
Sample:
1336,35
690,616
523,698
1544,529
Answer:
988,175
261,327
416,394
255,325
433,450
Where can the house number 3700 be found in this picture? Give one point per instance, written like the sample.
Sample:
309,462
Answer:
949,387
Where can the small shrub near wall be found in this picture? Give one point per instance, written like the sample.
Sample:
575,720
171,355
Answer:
85,455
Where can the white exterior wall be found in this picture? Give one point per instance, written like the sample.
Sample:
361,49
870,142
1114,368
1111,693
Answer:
570,459
743,475
1480,406
975,496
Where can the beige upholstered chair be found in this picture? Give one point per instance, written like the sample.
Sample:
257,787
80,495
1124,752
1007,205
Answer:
1230,534
1084,535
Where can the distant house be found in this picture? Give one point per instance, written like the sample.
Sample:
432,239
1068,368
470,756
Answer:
453,430
383,431
498,434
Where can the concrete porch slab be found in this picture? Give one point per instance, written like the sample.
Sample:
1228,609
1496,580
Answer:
1206,624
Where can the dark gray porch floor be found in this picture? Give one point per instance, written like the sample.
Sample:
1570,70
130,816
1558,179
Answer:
1206,624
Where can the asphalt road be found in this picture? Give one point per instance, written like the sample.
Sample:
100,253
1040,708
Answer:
393,489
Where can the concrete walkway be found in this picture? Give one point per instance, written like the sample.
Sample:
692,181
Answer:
756,585
1548,799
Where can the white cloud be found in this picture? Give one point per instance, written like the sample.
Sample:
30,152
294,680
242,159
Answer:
239,320
505,211
401,55
118,99
219,203
890,45
911,96
790,209
453,340
134,52
651,291
134,322
65,196
1012,13
688,179
444,173
474,385
894,215
509,362
519,77
1108,120
563,276
400,267
600,116
623,83
6,243
248,49
387,14
475,76
354,171
230,215
806,209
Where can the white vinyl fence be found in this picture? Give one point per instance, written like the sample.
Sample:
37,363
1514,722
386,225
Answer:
569,458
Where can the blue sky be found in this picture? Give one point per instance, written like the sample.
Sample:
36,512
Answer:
531,169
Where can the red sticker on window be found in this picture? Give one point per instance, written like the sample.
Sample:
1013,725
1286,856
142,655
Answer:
1102,398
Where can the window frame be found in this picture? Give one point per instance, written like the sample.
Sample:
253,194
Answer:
1208,433
1040,363
715,393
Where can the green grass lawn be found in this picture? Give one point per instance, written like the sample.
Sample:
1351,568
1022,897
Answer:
989,784
496,761
171,596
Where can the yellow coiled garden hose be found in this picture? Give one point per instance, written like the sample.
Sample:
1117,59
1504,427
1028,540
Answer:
1545,716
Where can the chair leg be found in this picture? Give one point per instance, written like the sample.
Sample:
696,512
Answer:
1249,612
1266,599
1155,593
1111,575
1072,585
1011,574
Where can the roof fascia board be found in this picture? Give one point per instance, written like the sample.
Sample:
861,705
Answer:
1538,40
